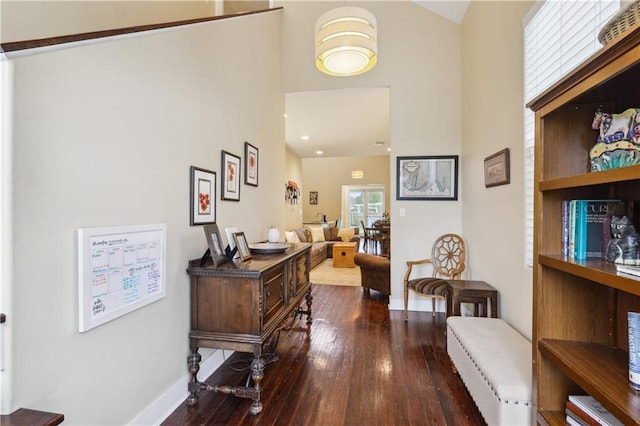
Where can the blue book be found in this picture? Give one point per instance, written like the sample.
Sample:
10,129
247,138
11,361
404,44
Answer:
581,230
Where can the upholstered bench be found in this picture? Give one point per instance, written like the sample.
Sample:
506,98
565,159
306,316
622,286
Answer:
494,362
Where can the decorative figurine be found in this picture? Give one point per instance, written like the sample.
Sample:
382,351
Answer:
624,247
618,143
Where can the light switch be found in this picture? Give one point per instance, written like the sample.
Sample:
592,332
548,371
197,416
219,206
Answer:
402,212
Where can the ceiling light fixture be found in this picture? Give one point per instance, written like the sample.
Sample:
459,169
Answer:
346,41
357,174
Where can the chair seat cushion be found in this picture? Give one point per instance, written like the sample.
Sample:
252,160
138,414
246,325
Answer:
429,285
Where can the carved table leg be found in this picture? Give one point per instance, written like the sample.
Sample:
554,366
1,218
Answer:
309,300
194,366
257,373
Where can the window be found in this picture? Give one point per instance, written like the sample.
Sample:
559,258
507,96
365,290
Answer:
558,36
362,204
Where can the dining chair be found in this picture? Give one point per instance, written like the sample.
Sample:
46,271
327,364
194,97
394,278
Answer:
448,256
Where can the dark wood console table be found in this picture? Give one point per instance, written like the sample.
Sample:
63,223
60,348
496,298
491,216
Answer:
238,306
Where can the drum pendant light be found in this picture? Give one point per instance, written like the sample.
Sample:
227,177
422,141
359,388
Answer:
346,41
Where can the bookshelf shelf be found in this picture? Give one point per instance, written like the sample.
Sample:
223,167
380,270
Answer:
600,370
598,271
580,306
588,179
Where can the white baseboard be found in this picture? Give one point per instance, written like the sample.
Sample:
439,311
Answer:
177,393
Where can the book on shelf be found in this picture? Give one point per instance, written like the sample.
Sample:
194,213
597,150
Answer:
594,410
566,204
628,269
573,421
579,415
586,229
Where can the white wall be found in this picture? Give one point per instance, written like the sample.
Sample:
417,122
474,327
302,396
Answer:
419,60
493,111
104,135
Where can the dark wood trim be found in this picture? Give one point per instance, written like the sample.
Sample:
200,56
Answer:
53,41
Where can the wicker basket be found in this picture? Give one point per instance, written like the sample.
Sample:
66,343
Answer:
620,22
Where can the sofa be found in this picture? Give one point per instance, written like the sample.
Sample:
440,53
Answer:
322,239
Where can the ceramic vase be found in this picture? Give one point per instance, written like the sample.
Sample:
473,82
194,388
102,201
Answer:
273,236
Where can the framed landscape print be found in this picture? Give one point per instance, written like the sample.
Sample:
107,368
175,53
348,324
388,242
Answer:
251,164
496,169
230,176
427,178
203,196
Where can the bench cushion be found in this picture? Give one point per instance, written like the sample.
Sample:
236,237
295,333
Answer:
494,362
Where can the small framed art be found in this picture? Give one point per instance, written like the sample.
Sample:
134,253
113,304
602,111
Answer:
313,197
250,164
214,241
243,247
230,176
496,169
427,178
203,196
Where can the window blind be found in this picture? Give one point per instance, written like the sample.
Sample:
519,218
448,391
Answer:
558,36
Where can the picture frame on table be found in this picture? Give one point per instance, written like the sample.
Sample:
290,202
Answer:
230,172
203,196
243,246
497,169
214,241
427,178
251,163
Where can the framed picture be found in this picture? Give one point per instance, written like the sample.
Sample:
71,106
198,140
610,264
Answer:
427,178
243,247
313,197
496,169
214,241
203,196
230,176
250,164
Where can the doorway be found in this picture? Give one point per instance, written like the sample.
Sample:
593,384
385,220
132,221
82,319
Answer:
362,204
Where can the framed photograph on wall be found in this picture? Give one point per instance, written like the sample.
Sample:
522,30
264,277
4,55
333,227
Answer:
203,196
250,164
427,178
230,172
214,241
243,247
496,169
313,197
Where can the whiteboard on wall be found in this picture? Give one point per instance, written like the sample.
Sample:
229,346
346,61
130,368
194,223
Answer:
120,269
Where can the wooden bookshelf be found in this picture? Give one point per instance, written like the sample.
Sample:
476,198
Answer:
580,307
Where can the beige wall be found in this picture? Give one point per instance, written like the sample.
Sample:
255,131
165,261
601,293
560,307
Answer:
57,18
328,175
104,135
492,111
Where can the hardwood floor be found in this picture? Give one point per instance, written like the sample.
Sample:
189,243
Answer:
357,364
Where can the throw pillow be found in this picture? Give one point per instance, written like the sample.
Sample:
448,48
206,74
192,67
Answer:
317,234
291,237
302,235
346,234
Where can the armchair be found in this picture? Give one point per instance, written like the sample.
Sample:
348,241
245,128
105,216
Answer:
448,257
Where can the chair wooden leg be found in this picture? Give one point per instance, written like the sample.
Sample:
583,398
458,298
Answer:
406,301
433,306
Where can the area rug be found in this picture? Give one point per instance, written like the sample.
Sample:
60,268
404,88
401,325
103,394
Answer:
325,273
